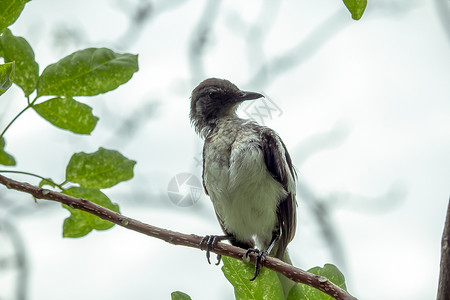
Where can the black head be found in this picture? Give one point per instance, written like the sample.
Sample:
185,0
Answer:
216,98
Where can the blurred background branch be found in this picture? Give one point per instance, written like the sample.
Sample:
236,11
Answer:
201,38
444,275
13,261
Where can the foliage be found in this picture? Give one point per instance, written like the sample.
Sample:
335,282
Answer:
80,222
7,73
356,7
266,286
11,10
303,291
180,296
87,72
66,113
5,158
102,169
16,49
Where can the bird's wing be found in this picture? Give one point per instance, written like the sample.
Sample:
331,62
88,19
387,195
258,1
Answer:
203,167
279,164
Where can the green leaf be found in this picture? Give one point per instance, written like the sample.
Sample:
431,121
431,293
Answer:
27,70
356,7
101,169
297,292
303,291
87,72
265,286
80,222
7,72
5,158
10,11
66,113
47,181
180,296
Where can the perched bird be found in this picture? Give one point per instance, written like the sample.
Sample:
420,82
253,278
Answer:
247,173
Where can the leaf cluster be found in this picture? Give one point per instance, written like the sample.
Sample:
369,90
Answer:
87,72
93,172
267,286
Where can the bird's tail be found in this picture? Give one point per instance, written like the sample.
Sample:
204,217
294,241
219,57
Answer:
286,283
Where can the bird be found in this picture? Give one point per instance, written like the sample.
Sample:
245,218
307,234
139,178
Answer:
247,173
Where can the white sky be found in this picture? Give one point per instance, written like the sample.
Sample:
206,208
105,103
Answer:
381,84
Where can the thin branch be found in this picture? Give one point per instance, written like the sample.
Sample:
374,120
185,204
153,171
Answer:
189,240
301,52
443,10
48,180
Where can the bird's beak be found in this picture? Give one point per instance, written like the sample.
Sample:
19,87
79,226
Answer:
249,96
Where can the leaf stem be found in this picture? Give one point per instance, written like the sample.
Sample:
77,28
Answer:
30,104
34,175
15,118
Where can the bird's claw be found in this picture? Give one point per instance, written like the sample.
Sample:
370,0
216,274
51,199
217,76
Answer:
210,241
260,259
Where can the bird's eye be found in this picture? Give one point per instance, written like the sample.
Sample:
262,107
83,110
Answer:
214,95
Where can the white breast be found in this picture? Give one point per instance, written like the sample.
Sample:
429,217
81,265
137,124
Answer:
244,194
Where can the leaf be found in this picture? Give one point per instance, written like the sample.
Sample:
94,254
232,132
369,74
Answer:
66,113
5,158
180,296
80,222
356,7
101,169
303,291
87,72
265,286
7,72
10,11
27,70
47,181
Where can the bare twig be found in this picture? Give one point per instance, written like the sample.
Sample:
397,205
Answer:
200,38
190,240
18,261
444,276
443,10
301,52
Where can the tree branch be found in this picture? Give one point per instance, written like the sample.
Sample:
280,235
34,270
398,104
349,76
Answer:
189,240
444,276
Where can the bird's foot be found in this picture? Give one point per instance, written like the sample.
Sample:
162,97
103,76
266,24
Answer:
260,259
210,241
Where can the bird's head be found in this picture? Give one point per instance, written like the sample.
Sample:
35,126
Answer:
213,99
